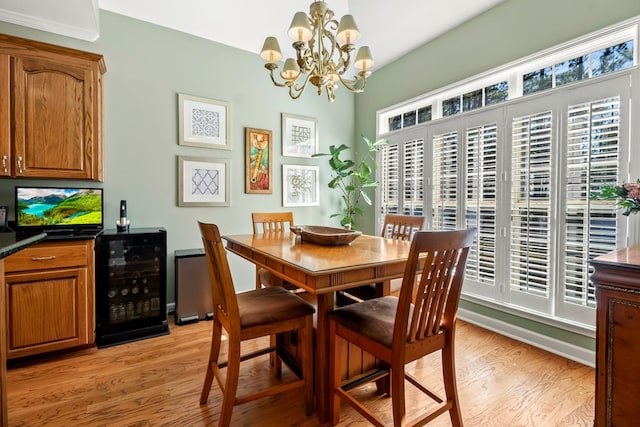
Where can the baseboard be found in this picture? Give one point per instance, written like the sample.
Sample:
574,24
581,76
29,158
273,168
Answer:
171,307
570,351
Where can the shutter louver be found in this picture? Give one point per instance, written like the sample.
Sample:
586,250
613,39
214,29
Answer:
389,182
481,200
445,179
531,203
593,132
413,191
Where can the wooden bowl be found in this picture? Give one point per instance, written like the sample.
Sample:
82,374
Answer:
327,236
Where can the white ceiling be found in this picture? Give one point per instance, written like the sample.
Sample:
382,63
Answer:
390,28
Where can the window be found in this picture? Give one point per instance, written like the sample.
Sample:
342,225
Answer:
592,56
525,182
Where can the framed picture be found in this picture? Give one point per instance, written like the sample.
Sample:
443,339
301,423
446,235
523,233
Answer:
203,122
203,181
300,185
299,136
258,161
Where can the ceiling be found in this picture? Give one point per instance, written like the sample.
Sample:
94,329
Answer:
390,28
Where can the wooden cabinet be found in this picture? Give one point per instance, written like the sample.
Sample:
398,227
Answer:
55,111
50,297
617,280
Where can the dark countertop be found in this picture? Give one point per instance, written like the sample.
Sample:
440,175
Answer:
12,242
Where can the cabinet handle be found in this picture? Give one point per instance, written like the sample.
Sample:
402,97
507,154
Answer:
43,258
4,164
20,165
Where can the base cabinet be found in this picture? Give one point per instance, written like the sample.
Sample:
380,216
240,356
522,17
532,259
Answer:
49,290
617,280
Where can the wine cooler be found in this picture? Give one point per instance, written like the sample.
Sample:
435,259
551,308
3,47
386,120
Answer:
131,285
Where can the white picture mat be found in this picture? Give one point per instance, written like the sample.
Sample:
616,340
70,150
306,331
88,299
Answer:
300,185
203,122
299,135
203,182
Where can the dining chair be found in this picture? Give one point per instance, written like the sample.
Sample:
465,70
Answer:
399,227
271,222
248,315
396,331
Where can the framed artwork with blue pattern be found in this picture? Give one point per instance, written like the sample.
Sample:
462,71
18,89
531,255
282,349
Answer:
203,122
203,181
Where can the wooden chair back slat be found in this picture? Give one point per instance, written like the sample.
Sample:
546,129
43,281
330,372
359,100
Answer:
436,266
401,227
271,222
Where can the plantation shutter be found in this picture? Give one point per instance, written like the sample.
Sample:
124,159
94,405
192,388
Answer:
593,146
413,173
445,180
480,203
530,229
389,180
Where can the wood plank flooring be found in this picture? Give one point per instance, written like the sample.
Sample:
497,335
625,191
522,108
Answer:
157,382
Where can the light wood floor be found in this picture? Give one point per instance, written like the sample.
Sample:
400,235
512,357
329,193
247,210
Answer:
157,381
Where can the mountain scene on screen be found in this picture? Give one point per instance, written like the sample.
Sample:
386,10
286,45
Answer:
64,207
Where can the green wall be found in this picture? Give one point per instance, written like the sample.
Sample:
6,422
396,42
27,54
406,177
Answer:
512,30
147,66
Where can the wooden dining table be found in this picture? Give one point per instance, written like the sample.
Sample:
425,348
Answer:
322,271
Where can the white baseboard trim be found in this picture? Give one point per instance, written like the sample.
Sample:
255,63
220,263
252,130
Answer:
570,351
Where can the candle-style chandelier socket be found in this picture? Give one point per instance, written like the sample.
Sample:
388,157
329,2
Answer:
323,53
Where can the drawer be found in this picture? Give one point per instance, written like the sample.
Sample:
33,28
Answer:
50,255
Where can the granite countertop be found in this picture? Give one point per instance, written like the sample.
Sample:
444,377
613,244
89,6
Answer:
13,242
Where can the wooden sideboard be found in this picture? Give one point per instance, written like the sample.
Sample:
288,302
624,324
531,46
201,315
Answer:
617,279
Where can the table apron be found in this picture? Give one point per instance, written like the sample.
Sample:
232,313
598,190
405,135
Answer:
323,282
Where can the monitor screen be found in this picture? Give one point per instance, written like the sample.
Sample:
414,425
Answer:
50,208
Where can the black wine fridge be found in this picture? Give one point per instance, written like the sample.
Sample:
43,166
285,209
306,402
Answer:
131,285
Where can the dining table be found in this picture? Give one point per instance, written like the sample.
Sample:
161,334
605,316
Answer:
324,270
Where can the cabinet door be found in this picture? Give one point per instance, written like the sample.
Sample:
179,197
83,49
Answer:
617,367
55,118
48,310
5,116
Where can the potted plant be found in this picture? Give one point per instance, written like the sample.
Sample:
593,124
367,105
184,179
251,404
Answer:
353,179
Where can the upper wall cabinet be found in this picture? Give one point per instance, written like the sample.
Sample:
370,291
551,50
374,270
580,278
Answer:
52,124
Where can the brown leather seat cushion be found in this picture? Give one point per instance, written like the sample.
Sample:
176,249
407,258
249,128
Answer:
272,304
373,318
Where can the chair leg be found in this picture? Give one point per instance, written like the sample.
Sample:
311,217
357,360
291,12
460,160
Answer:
306,345
335,348
451,390
216,340
231,384
397,395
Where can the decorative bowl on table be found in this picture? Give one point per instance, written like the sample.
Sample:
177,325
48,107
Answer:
327,236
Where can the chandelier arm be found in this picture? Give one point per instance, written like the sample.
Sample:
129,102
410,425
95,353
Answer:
296,90
351,84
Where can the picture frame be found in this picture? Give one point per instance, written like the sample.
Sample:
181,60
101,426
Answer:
258,161
203,122
300,185
203,181
299,135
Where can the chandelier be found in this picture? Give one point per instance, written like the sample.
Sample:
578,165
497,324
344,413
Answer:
322,57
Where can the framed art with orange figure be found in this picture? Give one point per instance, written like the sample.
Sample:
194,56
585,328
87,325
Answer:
258,161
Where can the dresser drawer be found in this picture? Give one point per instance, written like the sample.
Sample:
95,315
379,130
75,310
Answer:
50,255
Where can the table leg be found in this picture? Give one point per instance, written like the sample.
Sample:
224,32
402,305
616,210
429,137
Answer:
325,304
383,288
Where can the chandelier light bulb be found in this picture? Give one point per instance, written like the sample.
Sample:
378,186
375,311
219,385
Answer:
271,50
300,30
348,32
